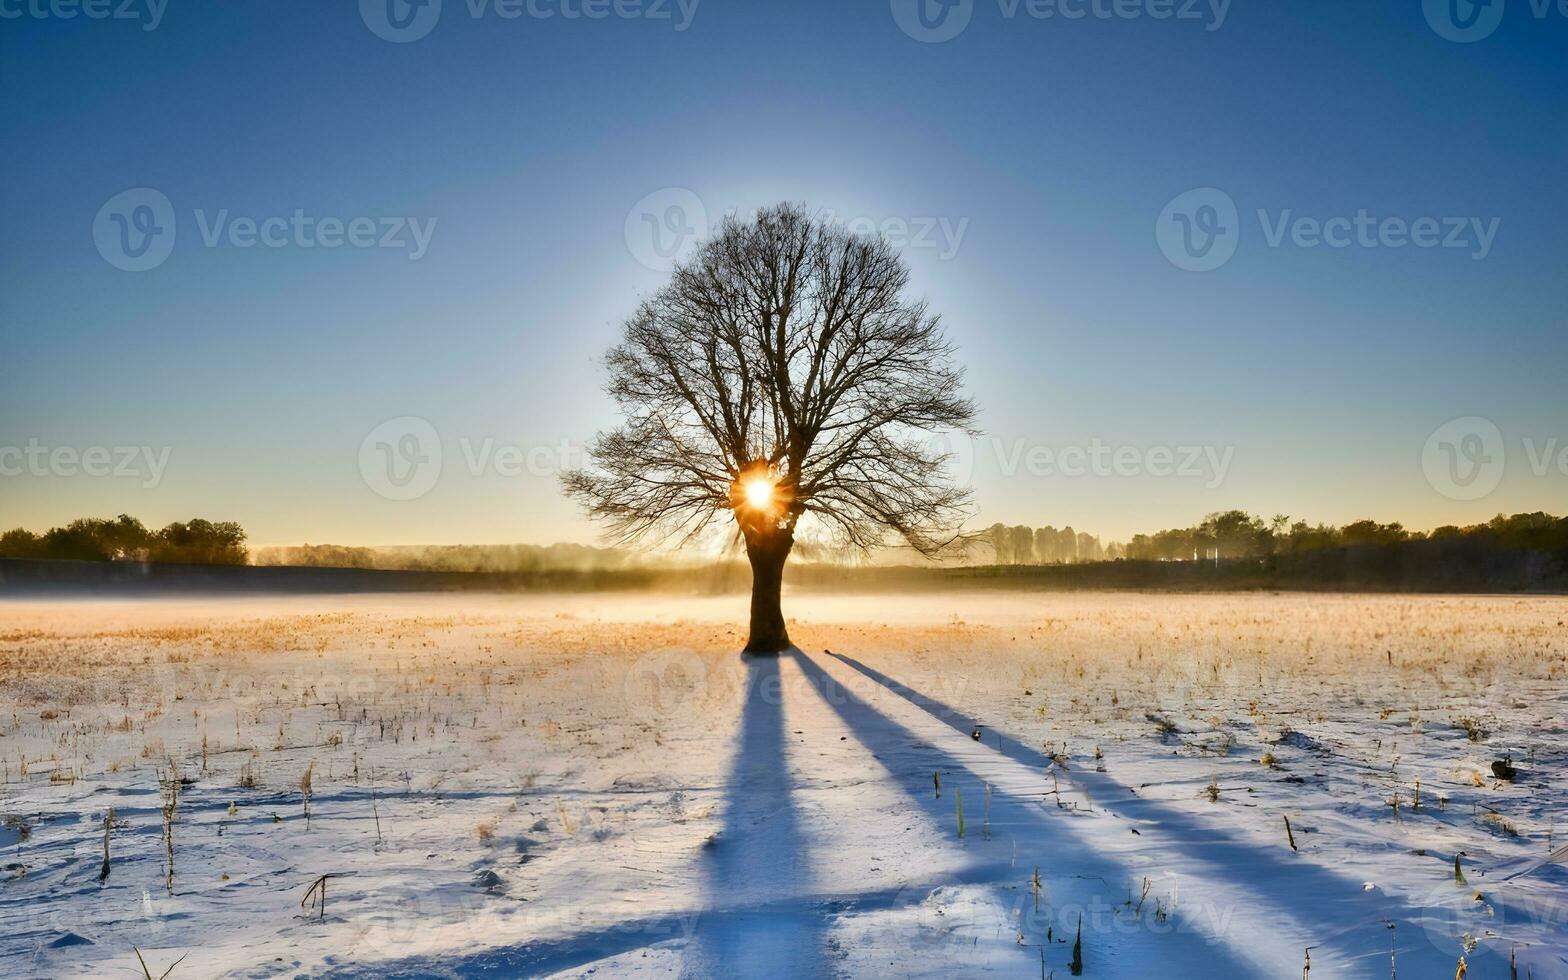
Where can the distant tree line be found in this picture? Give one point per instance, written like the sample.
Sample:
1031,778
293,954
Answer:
1227,535
198,542
448,558
1022,545
1237,534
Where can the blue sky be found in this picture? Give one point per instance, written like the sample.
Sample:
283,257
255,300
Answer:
1028,159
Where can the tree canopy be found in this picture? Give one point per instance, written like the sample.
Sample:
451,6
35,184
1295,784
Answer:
783,349
125,538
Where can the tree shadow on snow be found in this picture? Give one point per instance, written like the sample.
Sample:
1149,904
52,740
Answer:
756,873
1094,883
1286,885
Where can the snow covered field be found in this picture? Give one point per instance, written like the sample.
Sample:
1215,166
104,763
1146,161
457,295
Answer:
966,785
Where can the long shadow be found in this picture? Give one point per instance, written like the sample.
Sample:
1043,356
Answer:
1317,892
758,918
1099,881
759,862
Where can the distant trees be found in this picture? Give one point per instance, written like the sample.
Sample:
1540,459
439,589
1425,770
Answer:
200,542
1020,545
503,558
1067,544
1371,532
1045,544
318,556
1089,547
1023,544
125,538
1537,531
1304,537
88,539
1237,534
1225,534
1001,541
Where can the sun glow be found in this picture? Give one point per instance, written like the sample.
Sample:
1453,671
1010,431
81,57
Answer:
759,493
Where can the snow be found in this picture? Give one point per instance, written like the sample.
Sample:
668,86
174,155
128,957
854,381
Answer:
599,785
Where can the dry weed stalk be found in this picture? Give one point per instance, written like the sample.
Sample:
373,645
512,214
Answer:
305,789
169,790
148,973
1076,966
108,823
318,890
374,809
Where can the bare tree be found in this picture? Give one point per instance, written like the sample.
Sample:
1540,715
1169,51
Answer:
779,377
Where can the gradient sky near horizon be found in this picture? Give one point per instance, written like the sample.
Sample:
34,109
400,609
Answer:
537,145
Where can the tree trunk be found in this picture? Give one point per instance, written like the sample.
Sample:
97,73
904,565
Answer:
768,554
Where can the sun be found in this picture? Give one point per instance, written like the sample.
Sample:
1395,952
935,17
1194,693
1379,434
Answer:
758,492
